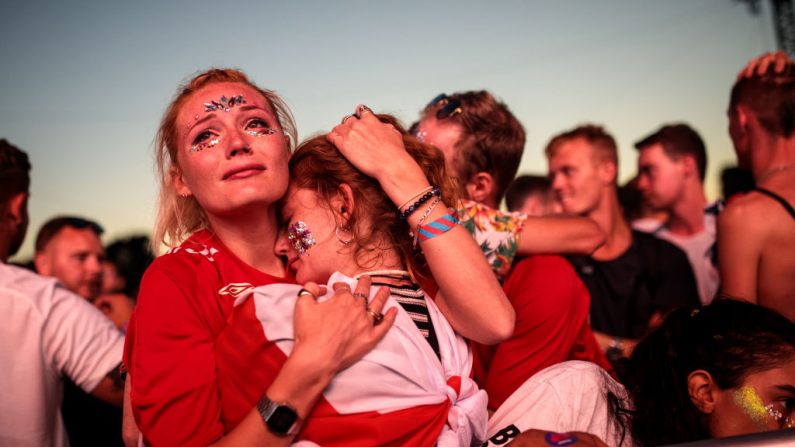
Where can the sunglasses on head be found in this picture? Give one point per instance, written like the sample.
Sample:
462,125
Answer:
449,106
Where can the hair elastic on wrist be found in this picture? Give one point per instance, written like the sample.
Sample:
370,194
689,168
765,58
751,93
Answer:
424,198
437,227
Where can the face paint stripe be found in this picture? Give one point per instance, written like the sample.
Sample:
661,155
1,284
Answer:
749,401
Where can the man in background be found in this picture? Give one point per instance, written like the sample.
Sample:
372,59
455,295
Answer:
672,163
634,278
532,195
756,232
46,333
69,249
483,143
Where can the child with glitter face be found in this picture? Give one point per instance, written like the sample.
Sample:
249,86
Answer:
728,369
201,371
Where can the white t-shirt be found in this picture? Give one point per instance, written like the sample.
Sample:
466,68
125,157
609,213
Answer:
698,248
47,332
569,396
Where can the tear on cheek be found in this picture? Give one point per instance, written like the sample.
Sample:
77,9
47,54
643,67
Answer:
300,237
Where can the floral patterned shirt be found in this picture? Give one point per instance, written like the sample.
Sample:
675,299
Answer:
497,233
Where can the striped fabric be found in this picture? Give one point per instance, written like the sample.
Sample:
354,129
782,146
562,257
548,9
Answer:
412,299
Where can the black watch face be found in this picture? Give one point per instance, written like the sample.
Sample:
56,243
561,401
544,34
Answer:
282,419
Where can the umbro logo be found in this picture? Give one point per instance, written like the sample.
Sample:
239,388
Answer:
236,289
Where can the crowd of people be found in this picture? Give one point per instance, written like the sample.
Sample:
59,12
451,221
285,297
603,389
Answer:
313,293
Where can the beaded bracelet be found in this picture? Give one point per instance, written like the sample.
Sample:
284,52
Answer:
414,197
424,198
439,226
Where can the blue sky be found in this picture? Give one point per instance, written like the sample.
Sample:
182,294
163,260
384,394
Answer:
84,83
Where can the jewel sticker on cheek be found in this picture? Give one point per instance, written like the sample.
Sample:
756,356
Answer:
300,237
781,419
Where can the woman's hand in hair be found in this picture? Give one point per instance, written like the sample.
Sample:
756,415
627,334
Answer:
376,148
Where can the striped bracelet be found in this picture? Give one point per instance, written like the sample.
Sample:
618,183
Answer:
439,226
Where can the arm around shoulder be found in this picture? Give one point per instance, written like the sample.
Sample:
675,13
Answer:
560,234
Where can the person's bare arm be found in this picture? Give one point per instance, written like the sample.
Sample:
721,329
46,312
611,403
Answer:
111,388
606,341
129,429
471,298
559,234
739,249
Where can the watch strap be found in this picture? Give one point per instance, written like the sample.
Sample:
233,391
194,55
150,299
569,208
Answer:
280,418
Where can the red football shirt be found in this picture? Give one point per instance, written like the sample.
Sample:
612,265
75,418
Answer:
551,305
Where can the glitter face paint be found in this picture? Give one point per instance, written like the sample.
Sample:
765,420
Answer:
300,237
421,136
261,132
781,419
254,133
752,405
205,144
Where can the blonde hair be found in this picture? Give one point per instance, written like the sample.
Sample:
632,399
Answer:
178,217
602,144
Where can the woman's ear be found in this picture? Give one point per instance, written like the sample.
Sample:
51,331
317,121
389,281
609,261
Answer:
343,204
180,186
702,390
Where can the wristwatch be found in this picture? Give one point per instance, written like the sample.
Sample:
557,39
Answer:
281,419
